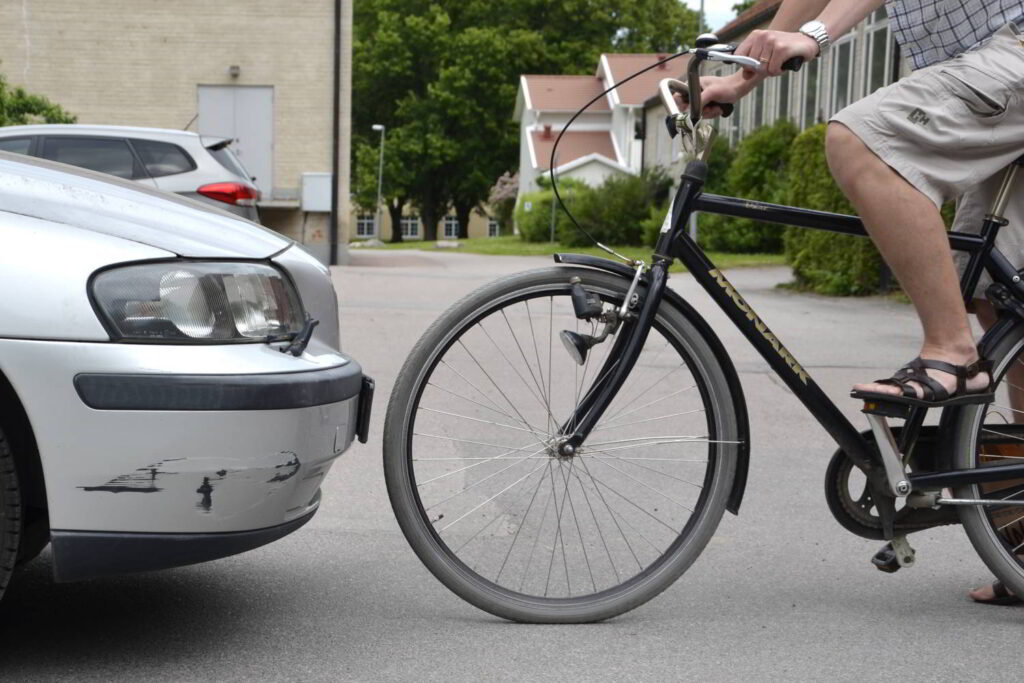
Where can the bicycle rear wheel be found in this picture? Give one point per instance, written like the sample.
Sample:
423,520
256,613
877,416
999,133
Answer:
988,436
483,497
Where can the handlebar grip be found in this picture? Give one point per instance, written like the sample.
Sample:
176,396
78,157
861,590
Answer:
793,64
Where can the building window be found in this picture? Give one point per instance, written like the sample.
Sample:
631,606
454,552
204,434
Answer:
366,225
842,75
451,227
493,229
411,227
877,56
811,82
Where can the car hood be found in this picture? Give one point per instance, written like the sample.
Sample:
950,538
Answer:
120,208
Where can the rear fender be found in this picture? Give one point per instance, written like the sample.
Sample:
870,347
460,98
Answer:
728,369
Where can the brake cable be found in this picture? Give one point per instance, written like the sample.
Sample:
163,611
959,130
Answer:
554,150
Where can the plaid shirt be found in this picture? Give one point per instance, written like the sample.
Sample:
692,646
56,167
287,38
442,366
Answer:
931,31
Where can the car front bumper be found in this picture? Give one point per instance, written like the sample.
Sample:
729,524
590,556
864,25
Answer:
203,451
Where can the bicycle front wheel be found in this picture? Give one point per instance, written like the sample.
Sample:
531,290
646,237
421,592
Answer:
477,484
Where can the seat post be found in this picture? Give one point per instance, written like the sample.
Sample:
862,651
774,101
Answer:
1004,194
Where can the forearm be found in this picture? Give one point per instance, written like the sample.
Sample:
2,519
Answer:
839,16
795,13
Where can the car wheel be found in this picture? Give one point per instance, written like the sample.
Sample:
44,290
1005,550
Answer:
10,513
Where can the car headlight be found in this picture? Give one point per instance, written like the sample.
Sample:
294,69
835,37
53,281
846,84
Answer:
198,302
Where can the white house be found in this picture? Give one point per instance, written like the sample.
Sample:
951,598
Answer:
607,139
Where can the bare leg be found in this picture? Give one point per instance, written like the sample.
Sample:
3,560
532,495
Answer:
908,230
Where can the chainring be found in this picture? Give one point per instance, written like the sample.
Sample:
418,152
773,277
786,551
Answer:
852,503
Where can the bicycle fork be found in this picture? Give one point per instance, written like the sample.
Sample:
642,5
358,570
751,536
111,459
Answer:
635,327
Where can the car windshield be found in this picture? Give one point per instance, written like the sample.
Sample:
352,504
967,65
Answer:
226,158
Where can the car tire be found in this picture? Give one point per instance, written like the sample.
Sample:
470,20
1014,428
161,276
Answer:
10,513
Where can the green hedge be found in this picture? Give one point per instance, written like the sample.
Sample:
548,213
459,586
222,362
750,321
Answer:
757,172
825,262
534,223
614,213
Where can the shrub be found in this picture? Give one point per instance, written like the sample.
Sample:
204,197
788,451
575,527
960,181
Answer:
615,213
535,223
824,262
757,172
502,201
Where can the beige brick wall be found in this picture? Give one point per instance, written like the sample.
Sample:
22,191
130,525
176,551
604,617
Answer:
139,63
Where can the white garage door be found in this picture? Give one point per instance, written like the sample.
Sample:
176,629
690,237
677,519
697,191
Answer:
246,114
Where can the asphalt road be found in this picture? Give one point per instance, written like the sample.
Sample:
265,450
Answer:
781,593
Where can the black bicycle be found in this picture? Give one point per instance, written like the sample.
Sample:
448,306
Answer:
561,444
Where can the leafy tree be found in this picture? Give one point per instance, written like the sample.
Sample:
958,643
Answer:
442,76
743,6
18,107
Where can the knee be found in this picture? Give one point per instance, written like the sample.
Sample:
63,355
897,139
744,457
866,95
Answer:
845,153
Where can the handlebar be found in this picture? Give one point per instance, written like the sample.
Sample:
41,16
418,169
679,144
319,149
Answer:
709,50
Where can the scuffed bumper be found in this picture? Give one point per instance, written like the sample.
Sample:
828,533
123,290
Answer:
140,440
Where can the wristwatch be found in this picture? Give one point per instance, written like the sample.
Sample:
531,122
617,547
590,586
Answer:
817,31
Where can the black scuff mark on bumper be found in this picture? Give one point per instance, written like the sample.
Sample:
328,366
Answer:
141,480
287,470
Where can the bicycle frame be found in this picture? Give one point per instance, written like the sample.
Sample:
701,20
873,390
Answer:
676,243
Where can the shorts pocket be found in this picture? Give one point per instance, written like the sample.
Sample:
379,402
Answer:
978,93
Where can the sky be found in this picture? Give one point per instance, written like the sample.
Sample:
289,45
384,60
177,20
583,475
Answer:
719,12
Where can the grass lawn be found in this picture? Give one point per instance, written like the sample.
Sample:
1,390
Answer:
512,245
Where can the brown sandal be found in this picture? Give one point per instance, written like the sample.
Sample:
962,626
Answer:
934,394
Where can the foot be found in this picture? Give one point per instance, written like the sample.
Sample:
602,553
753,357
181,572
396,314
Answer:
993,594
976,384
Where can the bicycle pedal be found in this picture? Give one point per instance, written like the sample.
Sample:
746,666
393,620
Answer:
886,409
894,555
885,560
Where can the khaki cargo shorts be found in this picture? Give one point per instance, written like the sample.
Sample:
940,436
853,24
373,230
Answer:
951,129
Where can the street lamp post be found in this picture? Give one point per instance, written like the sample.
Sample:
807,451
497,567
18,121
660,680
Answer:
380,180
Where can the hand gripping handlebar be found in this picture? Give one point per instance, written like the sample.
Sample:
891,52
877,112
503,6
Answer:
708,50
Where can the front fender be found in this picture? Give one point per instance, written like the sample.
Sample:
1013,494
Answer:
728,369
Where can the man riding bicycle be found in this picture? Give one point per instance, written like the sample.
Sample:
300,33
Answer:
942,133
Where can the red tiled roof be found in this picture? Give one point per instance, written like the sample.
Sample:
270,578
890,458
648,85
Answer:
564,93
758,14
574,145
641,88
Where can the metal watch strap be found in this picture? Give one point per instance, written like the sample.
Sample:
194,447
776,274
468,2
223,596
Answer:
817,31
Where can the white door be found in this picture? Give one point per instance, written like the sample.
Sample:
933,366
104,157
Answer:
246,114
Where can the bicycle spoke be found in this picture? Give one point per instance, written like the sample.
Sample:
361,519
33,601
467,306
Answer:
510,486
477,483
656,401
540,399
615,518
474,419
503,395
576,519
649,419
477,389
649,469
604,461
519,529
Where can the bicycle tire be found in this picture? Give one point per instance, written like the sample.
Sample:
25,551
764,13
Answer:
10,513
978,441
445,343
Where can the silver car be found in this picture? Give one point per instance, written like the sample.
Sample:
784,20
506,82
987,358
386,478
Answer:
178,161
171,379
